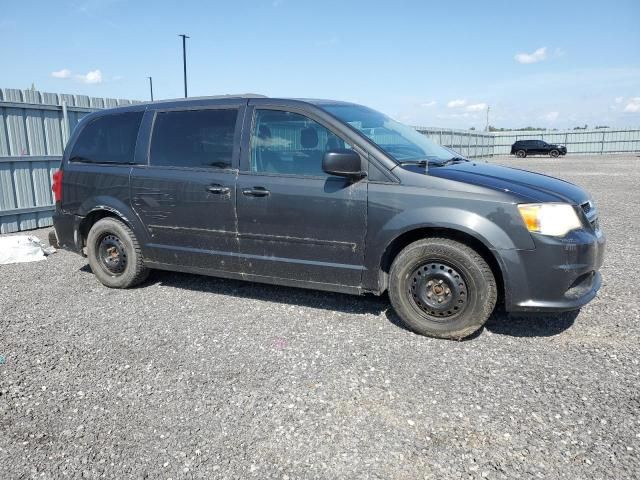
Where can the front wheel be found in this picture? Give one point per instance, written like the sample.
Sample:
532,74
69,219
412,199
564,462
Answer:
554,153
442,288
114,254
521,153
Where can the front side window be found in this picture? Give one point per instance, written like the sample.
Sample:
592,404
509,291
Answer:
194,138
290,143
108,139
401,142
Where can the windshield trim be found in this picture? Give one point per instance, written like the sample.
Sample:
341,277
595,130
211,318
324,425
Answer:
430,151
359,133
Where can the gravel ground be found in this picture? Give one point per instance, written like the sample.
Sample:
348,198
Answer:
195,377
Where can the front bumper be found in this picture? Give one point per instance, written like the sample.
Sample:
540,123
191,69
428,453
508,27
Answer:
560,274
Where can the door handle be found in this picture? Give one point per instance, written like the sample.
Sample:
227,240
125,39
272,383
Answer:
218,189
256,192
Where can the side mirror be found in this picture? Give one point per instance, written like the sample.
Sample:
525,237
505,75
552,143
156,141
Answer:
343,163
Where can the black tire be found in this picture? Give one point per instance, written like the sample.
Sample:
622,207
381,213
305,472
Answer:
521,153
554,153
114,254
460,270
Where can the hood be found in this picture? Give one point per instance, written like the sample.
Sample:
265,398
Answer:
534,187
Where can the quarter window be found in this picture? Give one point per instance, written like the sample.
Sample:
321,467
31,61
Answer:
108,139
290,143
194,138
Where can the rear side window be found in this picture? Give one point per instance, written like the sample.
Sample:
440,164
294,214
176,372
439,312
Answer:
108,139
194,138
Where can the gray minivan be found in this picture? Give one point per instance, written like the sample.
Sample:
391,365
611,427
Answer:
325,195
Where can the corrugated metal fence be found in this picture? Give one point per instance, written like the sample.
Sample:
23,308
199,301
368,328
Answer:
481,144
469,143
35,126
595,142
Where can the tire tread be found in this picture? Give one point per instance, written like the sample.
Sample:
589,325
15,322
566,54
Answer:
487,274
140,271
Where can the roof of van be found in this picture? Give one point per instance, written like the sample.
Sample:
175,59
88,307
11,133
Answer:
315,101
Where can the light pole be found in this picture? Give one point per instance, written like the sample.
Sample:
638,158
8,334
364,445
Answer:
151,87
487,126
184,60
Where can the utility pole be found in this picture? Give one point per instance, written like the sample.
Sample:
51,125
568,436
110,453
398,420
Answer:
486,129
151,87
184,60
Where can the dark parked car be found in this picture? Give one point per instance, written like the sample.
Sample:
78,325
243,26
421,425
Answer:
522,148
324,195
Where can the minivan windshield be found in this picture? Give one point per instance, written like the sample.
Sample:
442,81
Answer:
401,142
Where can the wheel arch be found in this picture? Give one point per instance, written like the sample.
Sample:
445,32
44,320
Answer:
97,213
408,237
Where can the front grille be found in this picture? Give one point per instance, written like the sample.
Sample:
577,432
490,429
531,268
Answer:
586,207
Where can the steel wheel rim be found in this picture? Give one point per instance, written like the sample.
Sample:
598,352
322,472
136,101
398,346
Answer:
438,290
112,254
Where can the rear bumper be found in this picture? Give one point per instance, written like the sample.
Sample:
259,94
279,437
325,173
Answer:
67,230
560,274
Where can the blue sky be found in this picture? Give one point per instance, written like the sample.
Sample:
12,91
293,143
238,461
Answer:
547,63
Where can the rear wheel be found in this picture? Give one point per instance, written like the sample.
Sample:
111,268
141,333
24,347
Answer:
442,288
521,153
554,153
114,254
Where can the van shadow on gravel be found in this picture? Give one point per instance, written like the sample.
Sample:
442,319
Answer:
263,291
273,293
531,324
500,322
522,325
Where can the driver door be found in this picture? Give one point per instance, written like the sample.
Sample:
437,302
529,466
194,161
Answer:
294,220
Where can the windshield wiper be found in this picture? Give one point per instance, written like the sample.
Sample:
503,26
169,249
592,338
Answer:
420,163
437,163
450,161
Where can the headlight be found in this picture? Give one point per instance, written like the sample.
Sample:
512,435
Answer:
555,219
